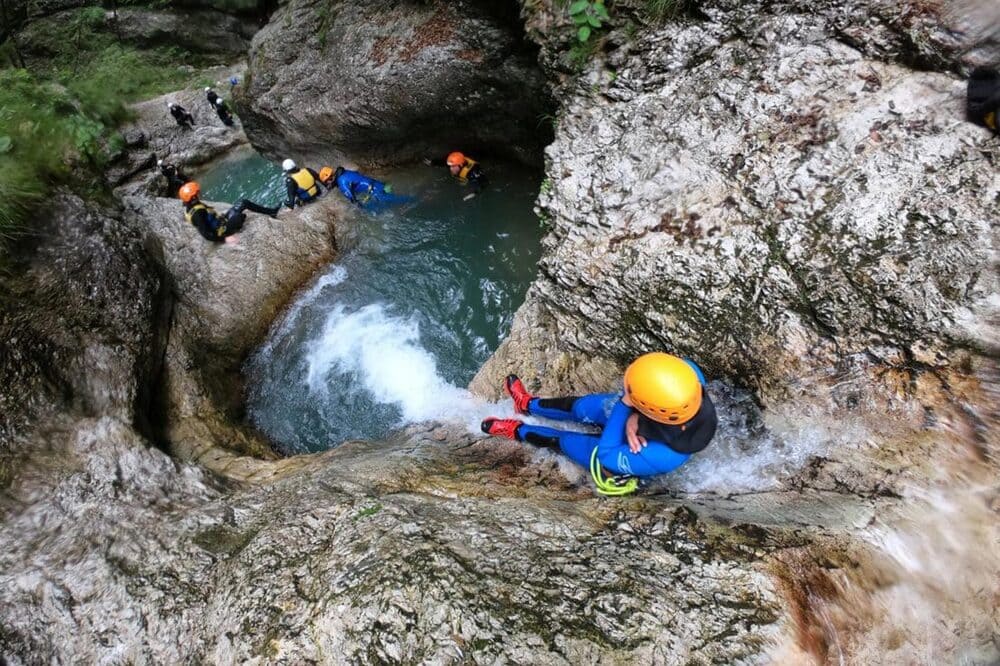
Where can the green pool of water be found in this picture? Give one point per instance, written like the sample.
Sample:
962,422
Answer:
394,330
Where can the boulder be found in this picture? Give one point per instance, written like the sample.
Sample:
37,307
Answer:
389,82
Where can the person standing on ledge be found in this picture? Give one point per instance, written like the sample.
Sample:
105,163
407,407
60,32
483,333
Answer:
213,226
662,418
181,115
301,184
175,177
222,109
466,171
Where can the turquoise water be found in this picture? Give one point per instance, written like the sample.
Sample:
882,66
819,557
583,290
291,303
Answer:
393,331
245,175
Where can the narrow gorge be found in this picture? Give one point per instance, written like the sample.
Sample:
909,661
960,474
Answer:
788,193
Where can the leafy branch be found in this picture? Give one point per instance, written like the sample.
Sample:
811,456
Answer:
588,15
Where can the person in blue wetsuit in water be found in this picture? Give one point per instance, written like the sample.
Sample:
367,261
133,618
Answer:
663,417
359,188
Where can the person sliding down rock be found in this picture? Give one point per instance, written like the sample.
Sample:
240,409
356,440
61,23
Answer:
663,417
181,115
175,177
222,109
302,185
467,171
983,98
213,226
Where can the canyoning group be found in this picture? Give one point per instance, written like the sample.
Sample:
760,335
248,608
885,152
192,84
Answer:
662,417
663,414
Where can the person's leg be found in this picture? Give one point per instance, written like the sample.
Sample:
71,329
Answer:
576,446
246,204
235,218
584,409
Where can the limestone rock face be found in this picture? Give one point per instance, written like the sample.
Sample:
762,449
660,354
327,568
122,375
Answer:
198,31
394,81
81,304
419,554
227,297
769,200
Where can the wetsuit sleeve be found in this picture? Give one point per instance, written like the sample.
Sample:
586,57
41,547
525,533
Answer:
438,161
203,224
613,451
613,435
477,179
292,190
345,188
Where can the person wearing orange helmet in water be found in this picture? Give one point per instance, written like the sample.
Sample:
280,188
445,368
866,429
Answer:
663,416
467,171
212,225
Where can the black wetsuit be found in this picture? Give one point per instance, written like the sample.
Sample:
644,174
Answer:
181,115
216,227
292,189
175,179
212,96
225,115
983,101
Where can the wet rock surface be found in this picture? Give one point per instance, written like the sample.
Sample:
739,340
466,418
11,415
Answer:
81,304
390,82
400,560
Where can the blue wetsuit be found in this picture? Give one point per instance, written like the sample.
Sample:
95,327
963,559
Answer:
363,190
607,411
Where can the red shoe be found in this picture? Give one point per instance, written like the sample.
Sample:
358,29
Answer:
515,389
501,427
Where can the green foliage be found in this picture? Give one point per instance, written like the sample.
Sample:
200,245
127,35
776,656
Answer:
57,122
588,15
581,53
368,511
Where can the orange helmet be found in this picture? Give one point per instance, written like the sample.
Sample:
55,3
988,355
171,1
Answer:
664,388
325,173
456,159
189,191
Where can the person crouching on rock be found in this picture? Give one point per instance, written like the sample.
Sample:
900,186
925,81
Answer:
181,115
302,185
664,416
222,109
175,177
465,170
213,226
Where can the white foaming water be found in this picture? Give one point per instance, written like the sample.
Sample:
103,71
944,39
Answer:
383,353
336,275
